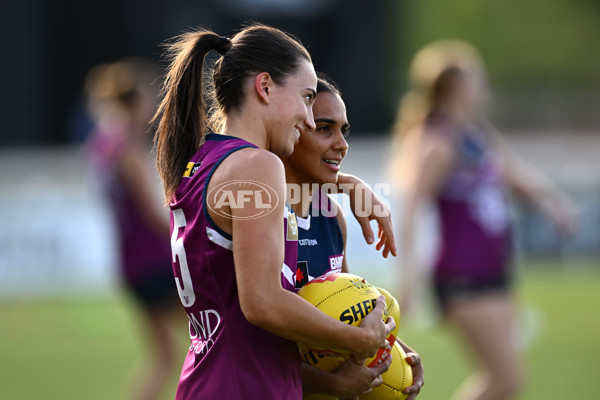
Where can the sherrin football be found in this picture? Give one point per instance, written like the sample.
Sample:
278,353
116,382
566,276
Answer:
348,298
397,378
343,296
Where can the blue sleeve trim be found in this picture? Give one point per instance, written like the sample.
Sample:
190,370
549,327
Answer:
220,138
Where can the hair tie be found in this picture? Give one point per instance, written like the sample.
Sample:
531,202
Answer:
223,45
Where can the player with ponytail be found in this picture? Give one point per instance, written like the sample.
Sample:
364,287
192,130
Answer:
232,258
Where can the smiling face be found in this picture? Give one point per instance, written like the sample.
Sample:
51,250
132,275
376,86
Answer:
292,111
319,152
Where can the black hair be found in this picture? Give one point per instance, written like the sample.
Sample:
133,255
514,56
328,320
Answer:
326,84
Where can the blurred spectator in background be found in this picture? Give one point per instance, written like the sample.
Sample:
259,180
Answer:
450,156
121,101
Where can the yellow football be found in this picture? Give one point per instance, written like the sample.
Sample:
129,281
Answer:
322,288
392,309
343,296
397,378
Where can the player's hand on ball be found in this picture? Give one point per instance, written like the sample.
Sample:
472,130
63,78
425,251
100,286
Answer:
377,330
414,360
355,378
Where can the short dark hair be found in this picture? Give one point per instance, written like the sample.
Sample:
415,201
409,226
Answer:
326,84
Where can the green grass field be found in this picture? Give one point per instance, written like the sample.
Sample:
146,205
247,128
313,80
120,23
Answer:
89,348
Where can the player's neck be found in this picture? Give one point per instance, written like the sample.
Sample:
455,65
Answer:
457,112
250,129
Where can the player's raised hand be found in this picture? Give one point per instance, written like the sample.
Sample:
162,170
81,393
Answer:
366,206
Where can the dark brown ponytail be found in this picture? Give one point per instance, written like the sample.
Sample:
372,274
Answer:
182,112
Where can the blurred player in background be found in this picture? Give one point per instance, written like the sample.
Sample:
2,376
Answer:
121,101
450,156
231,258
322,233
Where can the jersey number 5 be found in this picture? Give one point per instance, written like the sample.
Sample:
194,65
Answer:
184,281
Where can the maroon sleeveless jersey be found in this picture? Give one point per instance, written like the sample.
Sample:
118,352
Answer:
228,358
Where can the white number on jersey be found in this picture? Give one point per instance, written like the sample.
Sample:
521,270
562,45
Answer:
184,282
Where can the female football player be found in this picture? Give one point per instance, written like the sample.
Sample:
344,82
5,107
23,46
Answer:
315,163
233,240
452,158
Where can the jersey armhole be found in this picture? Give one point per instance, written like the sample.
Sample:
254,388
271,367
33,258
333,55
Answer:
205,188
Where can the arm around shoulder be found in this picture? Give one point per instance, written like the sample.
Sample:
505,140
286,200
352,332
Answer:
263,300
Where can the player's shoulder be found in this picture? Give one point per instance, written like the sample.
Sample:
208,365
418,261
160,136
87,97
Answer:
252,158
253,163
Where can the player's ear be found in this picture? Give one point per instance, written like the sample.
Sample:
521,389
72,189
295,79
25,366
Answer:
263,85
